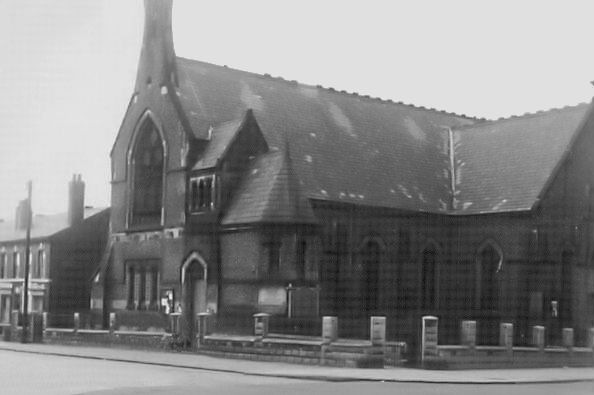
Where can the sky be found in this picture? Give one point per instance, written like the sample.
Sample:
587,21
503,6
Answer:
67,67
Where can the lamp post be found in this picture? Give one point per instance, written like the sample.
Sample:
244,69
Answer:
27,264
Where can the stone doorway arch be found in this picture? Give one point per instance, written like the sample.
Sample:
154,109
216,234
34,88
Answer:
194,276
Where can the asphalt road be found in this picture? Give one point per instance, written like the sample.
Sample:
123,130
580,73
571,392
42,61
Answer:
24,374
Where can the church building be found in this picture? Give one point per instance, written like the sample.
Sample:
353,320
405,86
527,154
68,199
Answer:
237,193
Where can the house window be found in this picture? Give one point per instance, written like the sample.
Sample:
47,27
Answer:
39,267
3,265
202,193
16,264
142,279
148,163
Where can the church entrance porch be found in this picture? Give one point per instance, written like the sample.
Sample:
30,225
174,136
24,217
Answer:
194,277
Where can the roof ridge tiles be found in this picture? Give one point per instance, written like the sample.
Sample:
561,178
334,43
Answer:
528,114
337,91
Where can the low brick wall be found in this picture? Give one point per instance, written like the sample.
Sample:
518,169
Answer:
142,340
490,357
300,351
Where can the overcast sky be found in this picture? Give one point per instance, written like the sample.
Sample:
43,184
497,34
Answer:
67,67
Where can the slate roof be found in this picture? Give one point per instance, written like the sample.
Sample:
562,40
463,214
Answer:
43,226
269,193
344,147
355,149
221,138
504,165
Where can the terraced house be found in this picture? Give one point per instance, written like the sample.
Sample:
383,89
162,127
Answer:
65,252
237,193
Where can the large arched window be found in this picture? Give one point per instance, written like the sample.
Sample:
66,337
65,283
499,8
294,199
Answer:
489,265
429,277
147,185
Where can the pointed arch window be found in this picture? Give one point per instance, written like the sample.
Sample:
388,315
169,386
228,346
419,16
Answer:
147,186
429,277
489,265
370,276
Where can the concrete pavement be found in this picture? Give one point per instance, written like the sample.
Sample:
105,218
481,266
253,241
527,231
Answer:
269,369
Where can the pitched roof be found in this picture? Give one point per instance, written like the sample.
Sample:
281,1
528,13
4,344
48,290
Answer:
344,147
504,165
269,193
221,138
355,149
43,226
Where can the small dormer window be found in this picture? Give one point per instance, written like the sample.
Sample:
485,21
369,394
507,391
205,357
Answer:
202,193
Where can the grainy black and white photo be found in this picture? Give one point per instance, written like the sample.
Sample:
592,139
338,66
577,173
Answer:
266,197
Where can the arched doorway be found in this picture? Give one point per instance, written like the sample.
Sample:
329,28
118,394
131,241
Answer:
371,257
194,282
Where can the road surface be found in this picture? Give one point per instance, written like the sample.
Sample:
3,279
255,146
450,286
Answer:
24,374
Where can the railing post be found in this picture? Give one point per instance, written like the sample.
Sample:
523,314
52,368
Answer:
506,336
112,323
76,325
329,329
377,331
44,321
14,325
429,335
204,326
261,323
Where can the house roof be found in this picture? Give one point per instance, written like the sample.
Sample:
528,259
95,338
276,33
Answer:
43,226
269,193
505,165
344,147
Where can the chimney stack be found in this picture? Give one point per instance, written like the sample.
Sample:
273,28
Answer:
76,200
156,67
22,214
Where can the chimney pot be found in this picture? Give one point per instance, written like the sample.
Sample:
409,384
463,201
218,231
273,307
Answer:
22,215
76,200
